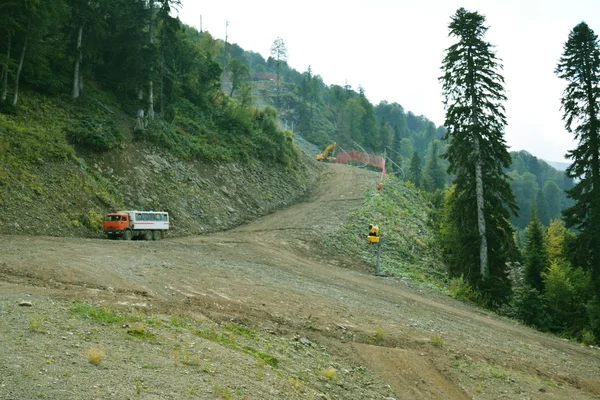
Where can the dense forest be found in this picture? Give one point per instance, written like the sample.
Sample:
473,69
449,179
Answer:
517,235
166,78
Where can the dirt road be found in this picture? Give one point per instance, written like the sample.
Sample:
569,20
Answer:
382,337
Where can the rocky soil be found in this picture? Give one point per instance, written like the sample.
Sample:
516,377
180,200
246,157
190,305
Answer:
69,198
258,312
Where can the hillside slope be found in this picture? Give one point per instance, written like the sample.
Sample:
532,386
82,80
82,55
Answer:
63,165
259,312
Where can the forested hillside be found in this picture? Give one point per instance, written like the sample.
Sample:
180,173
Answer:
535,181
166,78
111,105
324,113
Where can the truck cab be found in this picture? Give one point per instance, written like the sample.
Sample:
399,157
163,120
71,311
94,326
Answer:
115,224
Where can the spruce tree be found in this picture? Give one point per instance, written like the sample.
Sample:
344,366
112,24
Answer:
536,253
415,173
580,67
477,153
434,170
542,208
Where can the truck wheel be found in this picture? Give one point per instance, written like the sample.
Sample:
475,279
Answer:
127,235
156,235
147,235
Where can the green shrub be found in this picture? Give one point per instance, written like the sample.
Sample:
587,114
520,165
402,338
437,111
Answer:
588,338
94,135
461,290
93,221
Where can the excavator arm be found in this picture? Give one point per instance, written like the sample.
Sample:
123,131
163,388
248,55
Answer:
329,149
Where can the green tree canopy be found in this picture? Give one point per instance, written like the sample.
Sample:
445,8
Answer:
477,153
579,66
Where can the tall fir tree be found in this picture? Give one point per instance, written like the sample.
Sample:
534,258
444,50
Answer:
435,175
415,173
580,67
542,208
536,253
477,153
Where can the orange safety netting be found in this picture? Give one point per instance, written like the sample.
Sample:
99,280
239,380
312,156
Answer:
364,158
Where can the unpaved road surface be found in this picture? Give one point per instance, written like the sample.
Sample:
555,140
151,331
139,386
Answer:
379,338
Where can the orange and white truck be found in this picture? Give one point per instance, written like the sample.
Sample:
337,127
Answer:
147,225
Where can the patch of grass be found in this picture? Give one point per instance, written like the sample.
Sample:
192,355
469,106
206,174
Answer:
186,357
179,321
95,355
138,330
36,324
241,330
329,373
436,341
190,359
378,336
553,384
101,315
206,367
267,358
213,336
222,392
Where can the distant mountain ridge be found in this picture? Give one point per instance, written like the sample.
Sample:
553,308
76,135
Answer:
561,166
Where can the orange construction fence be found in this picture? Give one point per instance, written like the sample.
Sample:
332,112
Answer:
363,158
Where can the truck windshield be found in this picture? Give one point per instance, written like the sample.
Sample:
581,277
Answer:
113,218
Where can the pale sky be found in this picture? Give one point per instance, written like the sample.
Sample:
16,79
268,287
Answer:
394,50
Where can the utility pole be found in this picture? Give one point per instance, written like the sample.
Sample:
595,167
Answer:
200,23
225,56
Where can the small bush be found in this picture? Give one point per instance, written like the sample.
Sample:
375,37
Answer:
378,337
461,290
587,337
437,341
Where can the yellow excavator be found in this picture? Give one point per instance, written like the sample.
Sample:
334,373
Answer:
326,156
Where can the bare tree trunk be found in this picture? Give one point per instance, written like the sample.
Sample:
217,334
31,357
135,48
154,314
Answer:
150,83
80,78
140,124
150,100
77,64
483,248
20,67
5,72
162,85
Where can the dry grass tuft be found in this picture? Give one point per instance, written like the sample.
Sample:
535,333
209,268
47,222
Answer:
95,355
329,373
